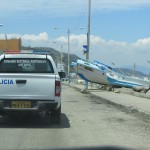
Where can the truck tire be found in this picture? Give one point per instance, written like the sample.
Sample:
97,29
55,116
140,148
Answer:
56,116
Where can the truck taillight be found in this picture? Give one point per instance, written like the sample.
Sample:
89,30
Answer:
57,88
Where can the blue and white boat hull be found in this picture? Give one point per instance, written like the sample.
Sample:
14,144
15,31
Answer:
126,81
100,73
91,73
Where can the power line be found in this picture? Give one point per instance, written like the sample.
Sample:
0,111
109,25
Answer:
83,13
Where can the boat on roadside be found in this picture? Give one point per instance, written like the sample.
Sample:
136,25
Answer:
88,71
126,81
100,73
121,80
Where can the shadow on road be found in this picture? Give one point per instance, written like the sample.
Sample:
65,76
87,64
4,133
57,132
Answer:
32,121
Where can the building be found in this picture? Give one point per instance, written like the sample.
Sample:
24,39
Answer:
10,44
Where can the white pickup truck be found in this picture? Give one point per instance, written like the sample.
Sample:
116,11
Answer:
29,83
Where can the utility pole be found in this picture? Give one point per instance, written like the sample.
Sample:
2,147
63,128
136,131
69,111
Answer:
85,90
88,34
68,32
1,25
61,53
6,42
134,69
68,56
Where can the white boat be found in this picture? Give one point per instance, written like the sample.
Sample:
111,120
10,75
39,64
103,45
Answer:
88,71
97,72
126,81
121,80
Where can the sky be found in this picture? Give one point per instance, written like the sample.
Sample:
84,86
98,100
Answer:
120,29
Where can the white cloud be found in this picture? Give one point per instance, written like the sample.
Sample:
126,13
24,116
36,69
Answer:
28,37
142,42
41,37
121,53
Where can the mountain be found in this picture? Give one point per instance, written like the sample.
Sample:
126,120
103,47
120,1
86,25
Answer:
129,72
145,70
56,55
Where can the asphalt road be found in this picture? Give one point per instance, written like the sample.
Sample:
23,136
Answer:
86,122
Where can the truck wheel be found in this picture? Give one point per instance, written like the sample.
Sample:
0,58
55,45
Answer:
56,116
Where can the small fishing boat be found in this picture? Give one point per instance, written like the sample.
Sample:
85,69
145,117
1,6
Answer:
90,72
126,81
100,73
120,79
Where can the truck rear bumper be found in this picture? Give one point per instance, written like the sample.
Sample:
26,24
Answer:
36,107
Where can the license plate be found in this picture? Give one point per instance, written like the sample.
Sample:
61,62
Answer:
20,104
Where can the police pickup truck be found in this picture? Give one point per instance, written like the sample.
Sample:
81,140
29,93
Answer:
30,83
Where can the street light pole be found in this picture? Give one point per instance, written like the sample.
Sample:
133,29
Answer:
134,69
1,25
68,56
68,32
61,53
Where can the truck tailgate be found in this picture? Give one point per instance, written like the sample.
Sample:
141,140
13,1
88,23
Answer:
27,86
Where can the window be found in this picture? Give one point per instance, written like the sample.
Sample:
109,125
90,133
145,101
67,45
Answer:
26,65
88,68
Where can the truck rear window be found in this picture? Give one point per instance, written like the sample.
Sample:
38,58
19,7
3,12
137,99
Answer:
26,66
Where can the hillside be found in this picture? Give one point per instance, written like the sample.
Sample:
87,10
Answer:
129,72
